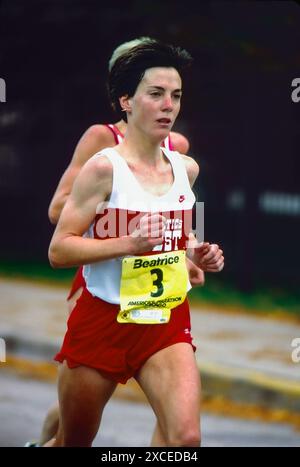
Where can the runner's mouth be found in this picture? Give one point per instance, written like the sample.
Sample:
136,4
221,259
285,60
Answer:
165,121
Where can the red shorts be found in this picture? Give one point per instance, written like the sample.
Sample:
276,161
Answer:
77,283
95,339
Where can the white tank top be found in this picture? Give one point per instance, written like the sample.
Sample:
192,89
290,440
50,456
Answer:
127,201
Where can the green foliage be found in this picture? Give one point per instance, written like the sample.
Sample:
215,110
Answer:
216,292
41,272
263,299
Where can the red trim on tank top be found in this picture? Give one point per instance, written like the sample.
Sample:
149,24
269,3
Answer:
171,147
115,131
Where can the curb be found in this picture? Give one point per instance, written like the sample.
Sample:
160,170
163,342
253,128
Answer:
32,349
244,387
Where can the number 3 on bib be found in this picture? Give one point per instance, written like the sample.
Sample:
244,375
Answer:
151,286
158,282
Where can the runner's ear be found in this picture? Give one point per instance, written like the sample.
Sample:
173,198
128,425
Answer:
125,103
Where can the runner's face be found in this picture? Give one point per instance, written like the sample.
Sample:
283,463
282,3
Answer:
156,102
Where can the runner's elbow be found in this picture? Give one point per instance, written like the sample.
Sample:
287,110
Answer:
54,213
56,258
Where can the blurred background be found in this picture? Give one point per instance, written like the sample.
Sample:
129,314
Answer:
237,113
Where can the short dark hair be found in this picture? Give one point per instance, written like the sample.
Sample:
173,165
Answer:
129,69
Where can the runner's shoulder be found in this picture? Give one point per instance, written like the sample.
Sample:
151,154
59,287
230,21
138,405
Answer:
179,142
95,138
100,135
95,177
98,166
192,167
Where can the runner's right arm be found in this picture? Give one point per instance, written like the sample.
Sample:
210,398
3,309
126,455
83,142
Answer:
93,186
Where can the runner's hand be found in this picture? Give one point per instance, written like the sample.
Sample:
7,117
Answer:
209,257
149,233
196,275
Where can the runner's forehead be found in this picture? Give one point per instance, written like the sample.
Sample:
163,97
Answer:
162,77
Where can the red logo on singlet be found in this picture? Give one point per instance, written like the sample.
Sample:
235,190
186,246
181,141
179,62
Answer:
181,198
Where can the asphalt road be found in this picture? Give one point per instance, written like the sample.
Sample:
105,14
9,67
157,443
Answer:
24,401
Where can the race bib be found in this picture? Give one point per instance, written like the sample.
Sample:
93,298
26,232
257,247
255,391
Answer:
151,286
